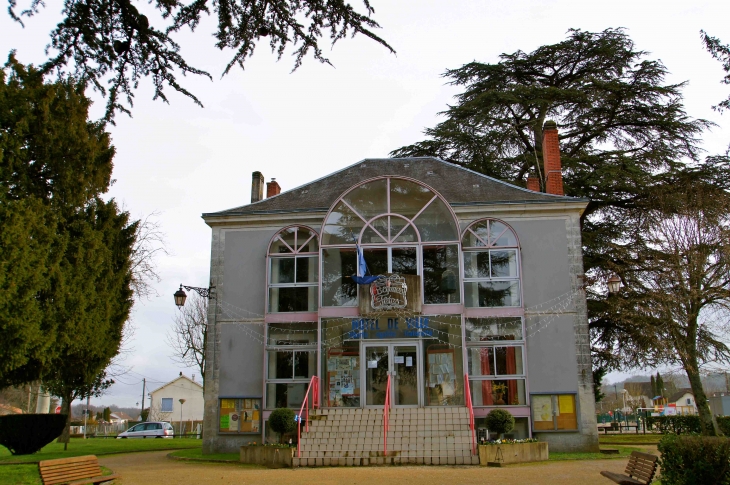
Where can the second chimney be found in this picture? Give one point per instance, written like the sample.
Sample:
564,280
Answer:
272,188
551,159
257,187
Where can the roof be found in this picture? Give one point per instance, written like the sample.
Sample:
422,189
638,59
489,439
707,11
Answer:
678,395
122,416
458,185
175,380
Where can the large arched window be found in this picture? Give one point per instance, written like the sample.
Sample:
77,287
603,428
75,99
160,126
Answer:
491,265
403,226
293,270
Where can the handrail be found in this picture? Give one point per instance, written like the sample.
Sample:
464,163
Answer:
314,387
386,416
469,405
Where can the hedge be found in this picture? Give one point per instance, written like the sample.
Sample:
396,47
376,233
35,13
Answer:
24,434
694,460
686,424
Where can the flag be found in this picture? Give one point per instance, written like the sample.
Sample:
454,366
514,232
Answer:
362,277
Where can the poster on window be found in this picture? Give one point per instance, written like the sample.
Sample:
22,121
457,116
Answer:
542,409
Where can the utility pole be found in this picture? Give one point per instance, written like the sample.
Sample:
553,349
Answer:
144,383
86,415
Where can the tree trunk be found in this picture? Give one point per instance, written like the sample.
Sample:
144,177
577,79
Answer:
66,409
709,425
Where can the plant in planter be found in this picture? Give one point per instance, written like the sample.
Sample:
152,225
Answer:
500,421
282,421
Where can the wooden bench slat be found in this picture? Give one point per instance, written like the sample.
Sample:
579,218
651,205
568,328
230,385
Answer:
640,470
77,470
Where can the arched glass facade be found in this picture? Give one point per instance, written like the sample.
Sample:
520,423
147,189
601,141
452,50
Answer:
293,273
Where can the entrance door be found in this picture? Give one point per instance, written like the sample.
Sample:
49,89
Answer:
398,360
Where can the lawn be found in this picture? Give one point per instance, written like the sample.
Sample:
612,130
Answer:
95,446
611,439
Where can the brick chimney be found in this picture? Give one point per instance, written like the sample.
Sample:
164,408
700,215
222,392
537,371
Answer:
257,187
551,159
272,188
533,183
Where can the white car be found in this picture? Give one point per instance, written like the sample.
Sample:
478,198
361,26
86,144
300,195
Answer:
154,429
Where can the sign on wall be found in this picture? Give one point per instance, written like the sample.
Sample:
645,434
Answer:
393,293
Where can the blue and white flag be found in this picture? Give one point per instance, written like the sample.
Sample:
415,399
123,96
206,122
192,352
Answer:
362,277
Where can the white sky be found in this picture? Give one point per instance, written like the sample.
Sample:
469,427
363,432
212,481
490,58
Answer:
182,160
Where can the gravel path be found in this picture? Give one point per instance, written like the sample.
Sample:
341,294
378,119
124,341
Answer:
156,468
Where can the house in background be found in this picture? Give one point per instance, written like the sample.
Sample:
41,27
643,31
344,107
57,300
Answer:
119,417
165,401
684,401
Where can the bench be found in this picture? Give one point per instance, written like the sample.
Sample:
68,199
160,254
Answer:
77,470
639,471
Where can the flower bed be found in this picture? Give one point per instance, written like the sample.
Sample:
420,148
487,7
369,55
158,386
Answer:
512,451
267,455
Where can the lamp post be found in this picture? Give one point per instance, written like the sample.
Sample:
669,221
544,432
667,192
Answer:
181,296
614,283
182,401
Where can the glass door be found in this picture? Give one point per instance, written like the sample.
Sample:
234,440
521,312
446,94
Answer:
400,362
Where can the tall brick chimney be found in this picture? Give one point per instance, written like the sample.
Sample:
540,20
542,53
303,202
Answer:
533,183
551,158
272,188
257,187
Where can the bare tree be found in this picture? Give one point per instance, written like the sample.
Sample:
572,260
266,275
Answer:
149,243
678,284
188,334
156,414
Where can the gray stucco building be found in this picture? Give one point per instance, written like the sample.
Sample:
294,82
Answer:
479,289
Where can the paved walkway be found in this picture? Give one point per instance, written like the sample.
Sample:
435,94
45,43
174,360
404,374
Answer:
156,468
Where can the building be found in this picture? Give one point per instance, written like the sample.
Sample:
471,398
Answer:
120,418
683,401
720,403
480,278
165,401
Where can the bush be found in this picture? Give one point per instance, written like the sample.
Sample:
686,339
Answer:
690,460
282,421
500,421
687,424
24,434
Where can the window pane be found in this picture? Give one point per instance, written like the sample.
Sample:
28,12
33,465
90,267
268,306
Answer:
338,288
306,245
341,224
305,364
282,270
369,236
504,264
501,235
476,264
376,260
404,260
278,247
441,274
521,430
293,299
407,236
407,198
369,199
280,364
307,270
566,416
298,334
342,364
481,361
542,412
284,395
492,294
509,360
444,372
493,328
166,405
436,223
499,392
480,229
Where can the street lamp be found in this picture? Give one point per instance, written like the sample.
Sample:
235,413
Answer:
182,401
614,283
181,296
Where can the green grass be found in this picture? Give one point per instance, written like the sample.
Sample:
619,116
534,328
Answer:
623,453
197,454
98,447
629,438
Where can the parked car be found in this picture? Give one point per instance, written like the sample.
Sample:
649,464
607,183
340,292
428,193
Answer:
154,429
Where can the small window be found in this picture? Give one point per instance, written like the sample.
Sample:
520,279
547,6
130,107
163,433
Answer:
554,412
689,401
166,405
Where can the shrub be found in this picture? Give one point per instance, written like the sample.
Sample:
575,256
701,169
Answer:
24,434
500,421
695,460
282,421
687,424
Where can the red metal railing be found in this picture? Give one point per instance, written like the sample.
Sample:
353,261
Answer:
467,391
386,415
314,388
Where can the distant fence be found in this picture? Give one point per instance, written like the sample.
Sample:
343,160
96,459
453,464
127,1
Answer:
184,429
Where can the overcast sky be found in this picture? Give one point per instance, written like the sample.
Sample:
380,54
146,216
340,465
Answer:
182,160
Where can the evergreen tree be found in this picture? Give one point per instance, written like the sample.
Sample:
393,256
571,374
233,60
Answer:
653,388
721,52
114,43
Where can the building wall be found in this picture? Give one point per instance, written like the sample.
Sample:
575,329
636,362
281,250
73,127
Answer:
557,344
180,389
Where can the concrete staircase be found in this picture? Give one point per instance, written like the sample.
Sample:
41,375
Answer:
354,437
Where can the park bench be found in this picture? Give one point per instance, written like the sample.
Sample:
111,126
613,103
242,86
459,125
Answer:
77,470
639,471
